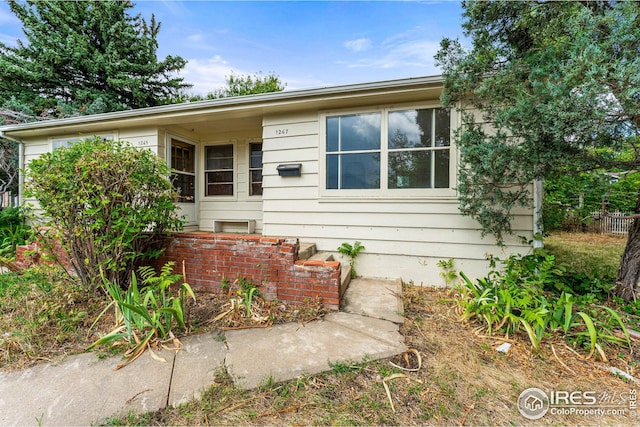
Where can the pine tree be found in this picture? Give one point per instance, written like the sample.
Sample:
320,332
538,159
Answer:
558,81
86,56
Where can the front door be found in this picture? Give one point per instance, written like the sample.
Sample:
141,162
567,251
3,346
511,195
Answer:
183,164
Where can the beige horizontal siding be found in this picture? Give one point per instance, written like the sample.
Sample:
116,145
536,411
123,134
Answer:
419,227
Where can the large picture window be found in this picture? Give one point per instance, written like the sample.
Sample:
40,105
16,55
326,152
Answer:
388,150
219,173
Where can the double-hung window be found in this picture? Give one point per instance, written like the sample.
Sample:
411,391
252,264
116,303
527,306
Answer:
219,173
389,150
255,169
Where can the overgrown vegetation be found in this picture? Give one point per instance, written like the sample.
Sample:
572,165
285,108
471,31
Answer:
44,314
108,203
13,231
534,294
462,378
148,312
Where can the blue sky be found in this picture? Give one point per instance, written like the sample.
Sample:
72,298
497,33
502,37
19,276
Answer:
307,44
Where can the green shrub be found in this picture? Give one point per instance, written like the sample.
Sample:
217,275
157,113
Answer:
109,203
13,232
11,217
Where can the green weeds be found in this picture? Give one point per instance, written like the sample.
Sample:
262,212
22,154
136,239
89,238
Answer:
352,252
532,294
146,312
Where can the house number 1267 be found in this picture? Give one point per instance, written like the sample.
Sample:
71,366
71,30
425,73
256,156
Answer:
283,131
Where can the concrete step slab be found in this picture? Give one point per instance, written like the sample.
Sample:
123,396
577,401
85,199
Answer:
379,298
306,250
284,352
321,256
345,278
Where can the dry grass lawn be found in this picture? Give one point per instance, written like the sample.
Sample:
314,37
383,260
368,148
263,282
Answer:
463,380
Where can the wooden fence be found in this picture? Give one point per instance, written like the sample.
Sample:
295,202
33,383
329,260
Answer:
613,222
7,200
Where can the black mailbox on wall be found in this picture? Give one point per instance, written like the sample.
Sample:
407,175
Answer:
290,169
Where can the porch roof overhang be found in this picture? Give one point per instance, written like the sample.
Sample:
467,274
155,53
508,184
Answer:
227,114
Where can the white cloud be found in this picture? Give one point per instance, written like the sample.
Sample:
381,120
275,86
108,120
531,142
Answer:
358,45
207,75
195,38
408,49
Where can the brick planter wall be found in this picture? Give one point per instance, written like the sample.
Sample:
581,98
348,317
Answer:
270,262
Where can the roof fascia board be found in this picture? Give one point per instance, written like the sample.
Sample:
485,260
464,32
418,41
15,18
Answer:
248,102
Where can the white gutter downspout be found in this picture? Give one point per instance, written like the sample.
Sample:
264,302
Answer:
20,163
537,213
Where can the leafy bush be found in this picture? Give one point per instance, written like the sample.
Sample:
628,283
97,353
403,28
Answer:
147,312
13,232
529,294
110,203
10,217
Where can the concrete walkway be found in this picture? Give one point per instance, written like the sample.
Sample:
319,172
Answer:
83,389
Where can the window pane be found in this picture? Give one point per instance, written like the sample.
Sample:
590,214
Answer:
332,133
185,185
219,157
219,181
256,175
220,190
410,169
332,171
443,123
256,156
256,189
442,169
353,132
410,128
222,176
360,171
182,156
360,132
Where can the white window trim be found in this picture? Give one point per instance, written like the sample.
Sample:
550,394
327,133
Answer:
385,194
233,197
